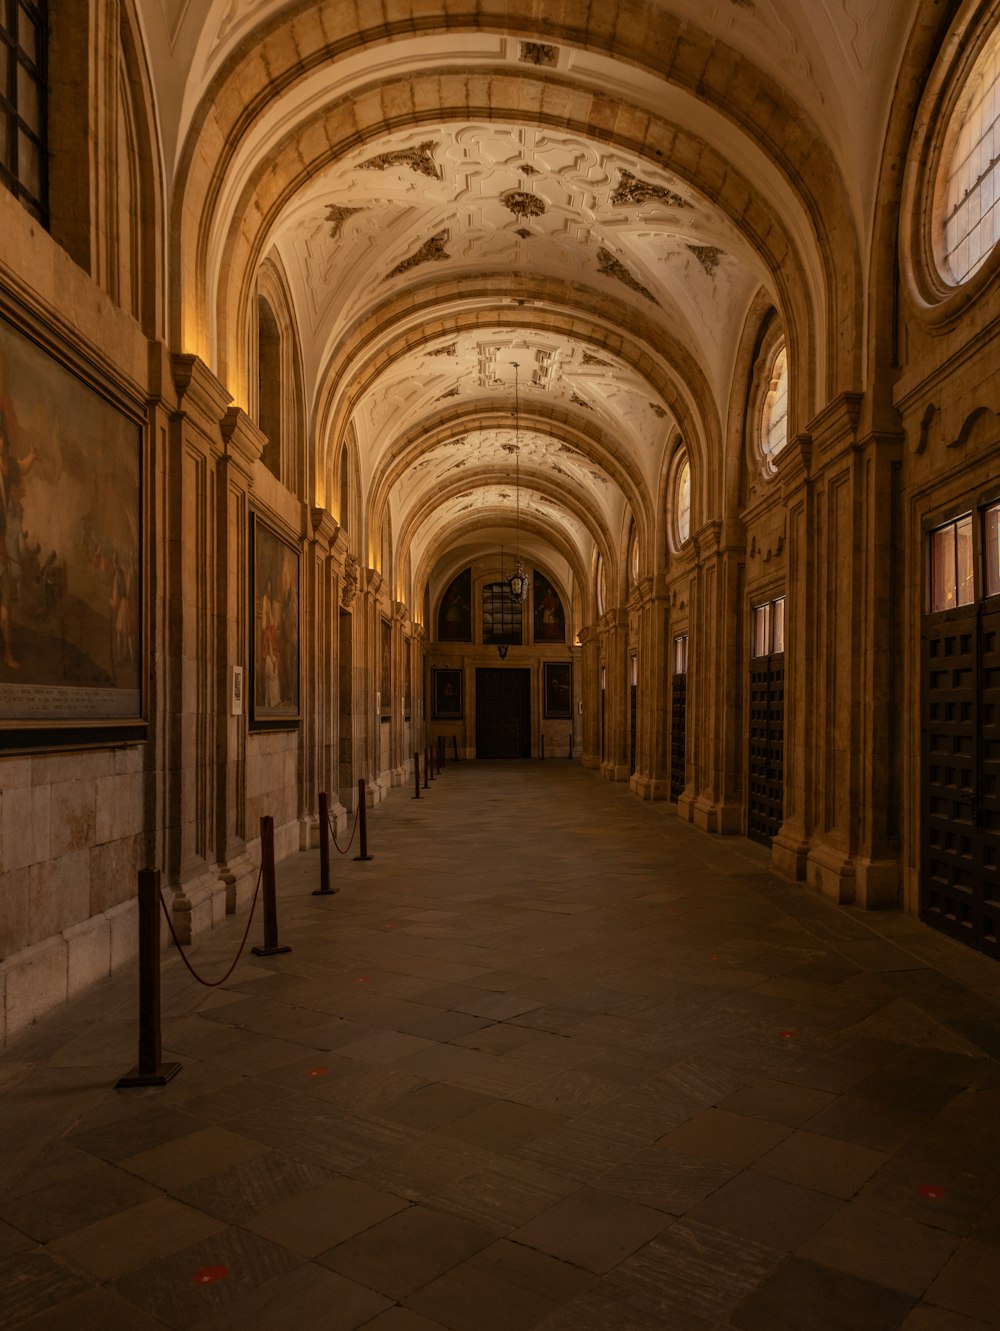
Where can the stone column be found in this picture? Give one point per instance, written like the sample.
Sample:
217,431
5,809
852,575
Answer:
191,673
614,657
242,444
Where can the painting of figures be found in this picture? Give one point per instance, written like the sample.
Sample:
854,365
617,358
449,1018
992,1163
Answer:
558,689
550,621
71,639
275,655
455,611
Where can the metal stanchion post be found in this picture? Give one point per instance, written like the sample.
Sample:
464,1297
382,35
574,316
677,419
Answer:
428,774
454,745
271,946
324,889
441,752
416,777
436,754
363,821
149,1071
541,747
571,744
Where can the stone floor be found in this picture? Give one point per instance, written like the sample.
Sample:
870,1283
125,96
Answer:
551,1059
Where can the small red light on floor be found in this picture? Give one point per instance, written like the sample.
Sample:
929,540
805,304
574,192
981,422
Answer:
208,1275
714,957
363,979
317,1072
788,1035
932,1190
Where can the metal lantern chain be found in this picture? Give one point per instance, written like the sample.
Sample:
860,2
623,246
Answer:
518,580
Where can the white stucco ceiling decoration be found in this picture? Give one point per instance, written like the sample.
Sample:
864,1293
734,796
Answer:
497,502
488,199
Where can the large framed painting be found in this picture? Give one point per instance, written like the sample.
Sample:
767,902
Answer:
455,612
274,655
447,695
558,690
385,673
550,619
72,641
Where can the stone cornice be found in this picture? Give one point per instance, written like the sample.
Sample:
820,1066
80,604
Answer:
244,440
324,525
198,389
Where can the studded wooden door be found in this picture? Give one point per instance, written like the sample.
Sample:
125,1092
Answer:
766,774
503,713
960,852
678,737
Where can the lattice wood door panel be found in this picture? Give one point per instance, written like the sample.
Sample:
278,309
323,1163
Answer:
766,774
678,736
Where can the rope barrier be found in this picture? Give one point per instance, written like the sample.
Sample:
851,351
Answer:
333,832
214,984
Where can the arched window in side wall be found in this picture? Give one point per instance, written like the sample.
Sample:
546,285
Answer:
345,488
774,412
269,385
601,587
679,525
23,95
969,180
633,557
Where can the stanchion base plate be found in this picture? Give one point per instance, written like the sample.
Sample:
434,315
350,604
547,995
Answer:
326,891
365,857
268,951
164,1073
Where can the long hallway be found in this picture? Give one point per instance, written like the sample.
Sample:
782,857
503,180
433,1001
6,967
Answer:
551,1059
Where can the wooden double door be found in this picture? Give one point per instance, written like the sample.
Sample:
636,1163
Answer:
503,713
766,766
960,777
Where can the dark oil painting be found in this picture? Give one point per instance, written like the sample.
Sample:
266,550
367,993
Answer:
71,640
275,630
558,689
550,621
455,613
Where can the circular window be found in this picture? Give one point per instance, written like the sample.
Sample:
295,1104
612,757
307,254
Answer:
967,194
774,412
602,587
633,560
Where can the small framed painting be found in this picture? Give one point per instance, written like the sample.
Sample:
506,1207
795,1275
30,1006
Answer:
448,695
558,690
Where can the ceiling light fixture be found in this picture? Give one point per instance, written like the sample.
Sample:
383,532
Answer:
518,579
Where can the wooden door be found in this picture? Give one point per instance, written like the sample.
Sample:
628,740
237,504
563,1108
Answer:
503,713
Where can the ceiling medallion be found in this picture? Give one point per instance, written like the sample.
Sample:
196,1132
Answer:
523,232
633,190
612,267
419,159
522,204
431,251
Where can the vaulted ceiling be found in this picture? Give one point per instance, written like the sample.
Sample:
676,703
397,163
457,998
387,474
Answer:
600,199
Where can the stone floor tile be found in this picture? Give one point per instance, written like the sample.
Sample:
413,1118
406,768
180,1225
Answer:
97,1310
166,1288
307,1297
135,1133
777,1102
13,1241
407,1251
403,1319
943,1198
434,1105
925,1318
896,1253
318,1218
504,1288
598,1309
664,1179
109,1248
692,1272
385,1047
184,1160
505,1195
32,1283
871,1123
592,1229
807,1297
728,1139
970,1283
767,1210
502,1126
75,1202
822,1163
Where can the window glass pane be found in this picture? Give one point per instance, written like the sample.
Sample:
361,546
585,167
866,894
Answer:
682,502
991,550
28,100
27,35
6,141
4,67
29,165
502,621
681,655
604,678
943,567
973,171
602,588
634,671
760,631
964,566
774,418
778,626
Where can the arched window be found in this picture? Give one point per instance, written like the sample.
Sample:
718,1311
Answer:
774,412
680,500
633,558
969,185
602,587
269,385
345,488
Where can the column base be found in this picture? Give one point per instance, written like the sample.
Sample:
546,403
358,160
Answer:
713,816
790,851
830,872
